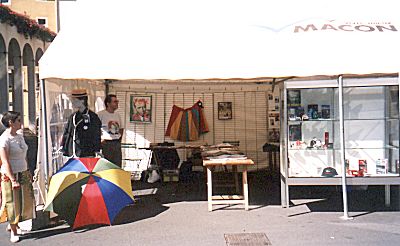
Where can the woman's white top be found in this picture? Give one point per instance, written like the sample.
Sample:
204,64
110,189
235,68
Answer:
16,148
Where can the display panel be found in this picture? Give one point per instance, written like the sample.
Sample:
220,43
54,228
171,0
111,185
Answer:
371,131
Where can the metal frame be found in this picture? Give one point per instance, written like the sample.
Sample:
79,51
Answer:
287,181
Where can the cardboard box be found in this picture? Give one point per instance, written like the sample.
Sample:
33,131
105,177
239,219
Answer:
382,166
170,175
362,167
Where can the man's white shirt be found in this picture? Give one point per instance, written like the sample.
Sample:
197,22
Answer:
110,125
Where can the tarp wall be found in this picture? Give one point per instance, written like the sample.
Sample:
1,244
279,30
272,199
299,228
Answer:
249,123
59,109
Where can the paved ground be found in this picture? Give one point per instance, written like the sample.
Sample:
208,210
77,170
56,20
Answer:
168,214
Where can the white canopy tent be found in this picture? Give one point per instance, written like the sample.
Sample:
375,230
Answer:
199,40
222,39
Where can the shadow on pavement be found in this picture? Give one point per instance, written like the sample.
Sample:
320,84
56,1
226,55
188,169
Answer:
365,199
46,233
264,190
142,209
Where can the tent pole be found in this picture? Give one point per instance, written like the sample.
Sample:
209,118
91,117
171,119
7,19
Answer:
44,126
342,148
398,125
107,83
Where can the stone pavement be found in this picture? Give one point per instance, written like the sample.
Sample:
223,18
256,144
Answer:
176,214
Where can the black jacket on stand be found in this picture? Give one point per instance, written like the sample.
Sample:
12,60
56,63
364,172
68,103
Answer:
87,126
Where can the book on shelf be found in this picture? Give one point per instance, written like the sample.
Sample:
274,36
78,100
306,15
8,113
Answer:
299,111
325,111
295,112
312,111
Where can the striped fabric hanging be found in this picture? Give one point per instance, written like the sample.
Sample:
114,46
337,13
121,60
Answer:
187,124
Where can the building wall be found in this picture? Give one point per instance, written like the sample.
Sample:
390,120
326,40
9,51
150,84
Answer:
20,76
37,9
29,51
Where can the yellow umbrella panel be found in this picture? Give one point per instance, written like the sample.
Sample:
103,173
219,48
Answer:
89,191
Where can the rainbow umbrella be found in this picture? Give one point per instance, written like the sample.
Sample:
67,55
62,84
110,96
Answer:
87,191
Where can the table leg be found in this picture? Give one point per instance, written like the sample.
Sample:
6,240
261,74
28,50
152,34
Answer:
245,189
209,188
236,178
270,163
387,195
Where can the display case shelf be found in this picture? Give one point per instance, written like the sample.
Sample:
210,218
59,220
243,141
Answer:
311,149
337,149
310,121
384,147
381,180
336,120
363,119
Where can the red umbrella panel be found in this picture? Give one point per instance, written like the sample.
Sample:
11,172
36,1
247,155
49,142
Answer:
87,191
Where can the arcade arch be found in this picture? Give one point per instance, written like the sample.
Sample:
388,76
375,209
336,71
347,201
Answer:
3,76
15,77
29,85
19,78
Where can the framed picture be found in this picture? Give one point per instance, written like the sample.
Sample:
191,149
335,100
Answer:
140,109
295,133
272,123
293,97
274,115
224,110
273,135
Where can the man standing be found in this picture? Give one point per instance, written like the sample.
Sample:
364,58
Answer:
111,130
82,133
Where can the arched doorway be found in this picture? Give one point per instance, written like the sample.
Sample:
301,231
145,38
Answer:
29,86
15,77
3,76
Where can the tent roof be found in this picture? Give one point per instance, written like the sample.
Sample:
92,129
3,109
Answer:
176,40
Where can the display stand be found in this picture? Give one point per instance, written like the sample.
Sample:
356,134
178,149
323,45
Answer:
129,163
228,199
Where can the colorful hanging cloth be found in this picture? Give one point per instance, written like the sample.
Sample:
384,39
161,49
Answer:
187,124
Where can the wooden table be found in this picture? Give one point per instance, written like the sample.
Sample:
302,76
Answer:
228,199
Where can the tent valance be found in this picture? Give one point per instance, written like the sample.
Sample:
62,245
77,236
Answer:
224,39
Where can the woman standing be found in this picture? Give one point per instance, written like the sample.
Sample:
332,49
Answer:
16,185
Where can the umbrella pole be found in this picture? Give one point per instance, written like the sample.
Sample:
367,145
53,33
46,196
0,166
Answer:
342,154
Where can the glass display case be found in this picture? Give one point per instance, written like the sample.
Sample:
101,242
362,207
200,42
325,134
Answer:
311,141
311,131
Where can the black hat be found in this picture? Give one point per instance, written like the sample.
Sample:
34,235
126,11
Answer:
329,172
